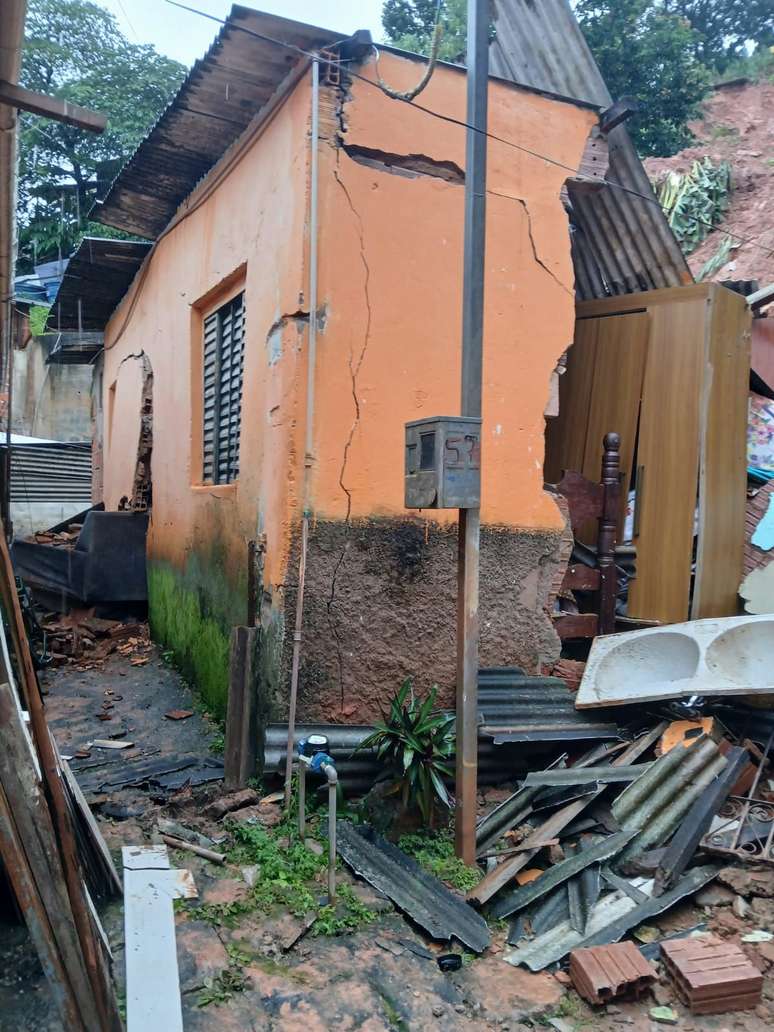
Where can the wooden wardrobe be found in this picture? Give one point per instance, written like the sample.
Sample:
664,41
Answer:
668,370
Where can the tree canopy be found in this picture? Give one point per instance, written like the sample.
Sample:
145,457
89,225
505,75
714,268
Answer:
664,52
73,49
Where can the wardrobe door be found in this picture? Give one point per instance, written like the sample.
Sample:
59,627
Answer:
566,433
723,470
614,406
668,461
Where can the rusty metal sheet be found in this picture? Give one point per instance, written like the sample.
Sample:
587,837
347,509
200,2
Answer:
423,898
218,99
621,243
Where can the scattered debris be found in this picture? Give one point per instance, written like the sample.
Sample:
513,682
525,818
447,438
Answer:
177,714
206,854
603,973
712,976
234,801
664,1015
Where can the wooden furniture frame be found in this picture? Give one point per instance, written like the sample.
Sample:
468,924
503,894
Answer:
588,500
669,369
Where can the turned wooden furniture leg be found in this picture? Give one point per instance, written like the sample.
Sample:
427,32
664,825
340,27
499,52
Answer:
607,528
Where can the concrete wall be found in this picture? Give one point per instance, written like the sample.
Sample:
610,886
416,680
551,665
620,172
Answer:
50,401
380,580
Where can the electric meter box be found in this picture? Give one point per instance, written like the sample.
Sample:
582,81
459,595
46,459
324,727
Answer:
443,463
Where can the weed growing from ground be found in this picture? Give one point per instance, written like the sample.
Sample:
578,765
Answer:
435,852
223,986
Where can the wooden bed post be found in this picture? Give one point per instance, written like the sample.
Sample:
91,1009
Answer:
607,529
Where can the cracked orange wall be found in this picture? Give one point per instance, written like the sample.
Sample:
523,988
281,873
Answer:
391,276
405,235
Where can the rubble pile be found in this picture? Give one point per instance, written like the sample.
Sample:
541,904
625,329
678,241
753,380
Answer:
86,640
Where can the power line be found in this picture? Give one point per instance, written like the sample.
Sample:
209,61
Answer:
458,121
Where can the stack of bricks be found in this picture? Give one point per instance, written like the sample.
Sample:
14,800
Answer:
712,976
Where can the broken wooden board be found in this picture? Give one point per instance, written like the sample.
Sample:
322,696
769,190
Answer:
152,979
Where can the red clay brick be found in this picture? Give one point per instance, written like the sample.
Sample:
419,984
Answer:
712,976
602,973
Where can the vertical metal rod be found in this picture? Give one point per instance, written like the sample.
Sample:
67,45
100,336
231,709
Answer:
301,800
332,786
311,364
472,348
8,433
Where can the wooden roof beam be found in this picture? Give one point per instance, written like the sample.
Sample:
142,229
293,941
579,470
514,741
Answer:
51,107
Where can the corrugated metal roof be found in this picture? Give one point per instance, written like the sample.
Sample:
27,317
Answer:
620,243
51,472
97,277
218,99
518,707
425,899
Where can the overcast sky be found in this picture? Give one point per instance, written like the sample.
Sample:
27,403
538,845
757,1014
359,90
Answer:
187,36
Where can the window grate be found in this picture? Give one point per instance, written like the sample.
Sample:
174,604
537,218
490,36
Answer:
224,345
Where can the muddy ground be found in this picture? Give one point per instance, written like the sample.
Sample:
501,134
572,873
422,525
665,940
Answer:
241,972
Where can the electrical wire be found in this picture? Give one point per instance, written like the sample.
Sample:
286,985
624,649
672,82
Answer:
459,121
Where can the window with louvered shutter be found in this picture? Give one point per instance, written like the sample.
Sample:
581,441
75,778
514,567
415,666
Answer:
224,341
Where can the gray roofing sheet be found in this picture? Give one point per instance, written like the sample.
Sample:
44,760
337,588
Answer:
442,913
97,277
621,243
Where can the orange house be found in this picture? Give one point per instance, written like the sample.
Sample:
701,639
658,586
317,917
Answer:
206,361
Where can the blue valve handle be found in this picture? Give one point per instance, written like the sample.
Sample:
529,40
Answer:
320,760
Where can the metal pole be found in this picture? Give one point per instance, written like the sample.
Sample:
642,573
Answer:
301,800
472,340
311,365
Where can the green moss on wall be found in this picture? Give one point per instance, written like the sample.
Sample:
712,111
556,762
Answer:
186,617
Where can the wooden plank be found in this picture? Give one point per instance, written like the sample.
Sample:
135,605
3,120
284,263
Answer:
668,461
566,433
152,978
614,406
26,803
100,997
723,465
576,625
51,107
22,881
241,752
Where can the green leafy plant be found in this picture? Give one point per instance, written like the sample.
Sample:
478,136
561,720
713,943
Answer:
435,852
346,915
223,986
695,202
416,741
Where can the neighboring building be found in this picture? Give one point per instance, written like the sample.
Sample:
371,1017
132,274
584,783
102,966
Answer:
205,358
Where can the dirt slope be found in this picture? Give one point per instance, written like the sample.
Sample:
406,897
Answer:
738,126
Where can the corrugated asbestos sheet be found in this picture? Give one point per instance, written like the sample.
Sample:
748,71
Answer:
620,243
219,98
426,900
97,277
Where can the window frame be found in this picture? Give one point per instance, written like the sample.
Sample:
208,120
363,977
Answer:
225,313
